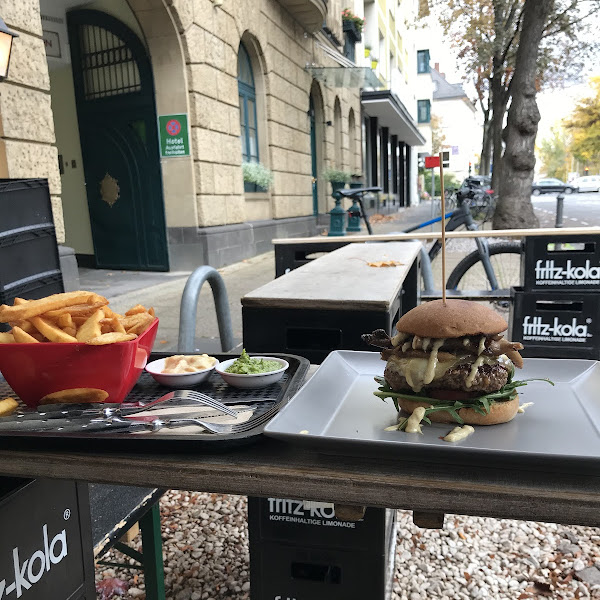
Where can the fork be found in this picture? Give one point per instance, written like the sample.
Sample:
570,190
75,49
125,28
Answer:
109,425
180,394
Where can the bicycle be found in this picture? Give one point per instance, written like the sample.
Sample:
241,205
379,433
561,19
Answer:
486,273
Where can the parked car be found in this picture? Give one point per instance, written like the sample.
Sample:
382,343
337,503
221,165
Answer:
551,185
588,183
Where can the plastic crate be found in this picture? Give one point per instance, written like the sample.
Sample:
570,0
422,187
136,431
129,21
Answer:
46,546
24,202
27,251
299,550
567,262
31,288
556,324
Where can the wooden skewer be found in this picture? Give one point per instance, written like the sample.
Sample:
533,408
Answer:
443,198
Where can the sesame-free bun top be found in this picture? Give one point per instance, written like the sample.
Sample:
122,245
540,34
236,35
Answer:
457,318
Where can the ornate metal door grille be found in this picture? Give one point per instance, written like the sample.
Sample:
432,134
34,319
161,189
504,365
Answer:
107,64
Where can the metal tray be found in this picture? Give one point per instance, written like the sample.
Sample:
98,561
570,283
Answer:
560,432
147,389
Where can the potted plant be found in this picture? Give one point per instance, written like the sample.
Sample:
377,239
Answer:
352,25
257,174
356,180
374,62
367,51
336,177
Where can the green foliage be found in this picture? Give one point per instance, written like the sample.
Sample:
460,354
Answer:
553,153
258,174
336,175
584,125
450,182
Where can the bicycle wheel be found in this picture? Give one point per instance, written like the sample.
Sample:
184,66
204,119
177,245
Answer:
469,273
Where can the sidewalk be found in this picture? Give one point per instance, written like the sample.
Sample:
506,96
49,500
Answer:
163,290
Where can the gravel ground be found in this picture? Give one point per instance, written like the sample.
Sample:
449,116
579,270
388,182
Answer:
205,547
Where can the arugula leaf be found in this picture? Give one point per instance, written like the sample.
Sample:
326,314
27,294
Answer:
481,404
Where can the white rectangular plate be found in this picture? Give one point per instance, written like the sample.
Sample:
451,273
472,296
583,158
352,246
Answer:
337,413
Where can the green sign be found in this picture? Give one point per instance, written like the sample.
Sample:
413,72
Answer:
174,135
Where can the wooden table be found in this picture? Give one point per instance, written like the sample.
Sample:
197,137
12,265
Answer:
329,302
273,468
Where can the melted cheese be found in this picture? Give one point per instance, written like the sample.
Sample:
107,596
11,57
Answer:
459,433
413,425
524,407
481,347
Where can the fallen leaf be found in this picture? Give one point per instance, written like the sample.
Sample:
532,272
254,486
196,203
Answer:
461,535
467,576
541,589
385,263
163,342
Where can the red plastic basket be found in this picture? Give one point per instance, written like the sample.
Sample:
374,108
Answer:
34,370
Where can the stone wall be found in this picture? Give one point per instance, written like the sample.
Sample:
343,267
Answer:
280,50
27,143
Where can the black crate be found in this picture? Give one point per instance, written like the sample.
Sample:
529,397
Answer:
24,202
312,333
567,262
280,571
50,540
300,550
31,288
27,251
314,524
556,324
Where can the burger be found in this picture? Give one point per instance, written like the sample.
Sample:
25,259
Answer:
451,359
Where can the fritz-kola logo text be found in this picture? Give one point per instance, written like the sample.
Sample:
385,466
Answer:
30,571
548,270
536,326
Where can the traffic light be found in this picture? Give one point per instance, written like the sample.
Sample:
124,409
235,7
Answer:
586,171
470,166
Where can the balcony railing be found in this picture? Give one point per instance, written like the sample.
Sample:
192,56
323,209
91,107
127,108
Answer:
310,14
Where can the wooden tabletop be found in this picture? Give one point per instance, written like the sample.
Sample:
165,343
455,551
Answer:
342,279
436,235
271,468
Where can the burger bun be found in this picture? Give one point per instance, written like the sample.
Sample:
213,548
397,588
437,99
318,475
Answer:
454,319
500,412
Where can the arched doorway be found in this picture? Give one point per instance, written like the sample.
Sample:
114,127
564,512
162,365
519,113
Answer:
316,146
116,112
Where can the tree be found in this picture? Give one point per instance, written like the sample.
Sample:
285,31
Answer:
487,33
521,127
554,153
584,124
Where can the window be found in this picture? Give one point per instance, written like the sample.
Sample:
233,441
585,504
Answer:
248,126
423,111
349,47
423,61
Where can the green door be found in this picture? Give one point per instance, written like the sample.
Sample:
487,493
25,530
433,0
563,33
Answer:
116,111
313,157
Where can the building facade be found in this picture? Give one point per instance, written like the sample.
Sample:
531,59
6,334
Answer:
460,126
142,113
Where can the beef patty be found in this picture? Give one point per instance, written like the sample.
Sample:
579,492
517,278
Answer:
489,378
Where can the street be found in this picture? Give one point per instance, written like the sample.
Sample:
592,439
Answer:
579,210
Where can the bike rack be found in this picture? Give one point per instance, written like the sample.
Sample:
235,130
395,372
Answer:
189,308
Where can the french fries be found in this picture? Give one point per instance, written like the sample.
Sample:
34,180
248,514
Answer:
75,395
8,406
72,317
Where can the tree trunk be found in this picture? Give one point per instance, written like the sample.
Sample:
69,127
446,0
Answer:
497,122
486,149
514,209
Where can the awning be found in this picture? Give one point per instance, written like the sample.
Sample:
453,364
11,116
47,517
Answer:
391,113
346,77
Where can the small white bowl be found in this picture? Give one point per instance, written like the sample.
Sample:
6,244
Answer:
177,380
252,380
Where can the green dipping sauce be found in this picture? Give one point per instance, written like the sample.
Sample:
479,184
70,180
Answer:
245,365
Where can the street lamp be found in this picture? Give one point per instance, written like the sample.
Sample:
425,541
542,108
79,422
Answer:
6,39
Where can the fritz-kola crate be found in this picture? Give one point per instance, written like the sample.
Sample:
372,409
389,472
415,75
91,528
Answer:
46,540
568,262
556,324
299,550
